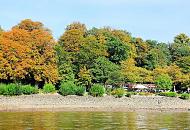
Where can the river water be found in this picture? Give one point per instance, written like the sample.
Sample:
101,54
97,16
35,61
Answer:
94,121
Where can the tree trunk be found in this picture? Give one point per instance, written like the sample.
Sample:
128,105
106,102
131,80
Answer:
174,89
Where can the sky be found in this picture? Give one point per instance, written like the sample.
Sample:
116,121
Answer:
159,20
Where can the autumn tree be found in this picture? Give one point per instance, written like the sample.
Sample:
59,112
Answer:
78,47
175,73
186,84
27,53
85,77
99,34
69,45
135,74
14,55
73,37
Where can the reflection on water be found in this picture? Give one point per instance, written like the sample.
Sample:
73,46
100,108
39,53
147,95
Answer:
94,121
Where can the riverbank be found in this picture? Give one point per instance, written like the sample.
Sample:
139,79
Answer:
56,102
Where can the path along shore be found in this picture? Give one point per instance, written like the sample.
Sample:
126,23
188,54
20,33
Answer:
56,102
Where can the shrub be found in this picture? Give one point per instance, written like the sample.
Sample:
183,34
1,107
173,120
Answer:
172,94
162,93
68,88
12,89
97,90
48,88
134,93
128,94
79,90
145,93
168,94
118,92
108,91
185,96
28,89
2,88
142,93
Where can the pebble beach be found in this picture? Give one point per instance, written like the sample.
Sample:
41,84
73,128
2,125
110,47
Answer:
56,102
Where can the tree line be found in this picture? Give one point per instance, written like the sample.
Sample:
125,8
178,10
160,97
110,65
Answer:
30,55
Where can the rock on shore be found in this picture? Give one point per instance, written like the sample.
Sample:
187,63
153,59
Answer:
56,102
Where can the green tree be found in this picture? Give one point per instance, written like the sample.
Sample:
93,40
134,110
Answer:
151,54
117,50
184,63
152,59
151,44
164,54
164,82
102,69
116,78
64,64
180,47
142,51
90,51
126,39
159,56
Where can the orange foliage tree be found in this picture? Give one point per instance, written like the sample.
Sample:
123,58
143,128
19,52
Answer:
27,54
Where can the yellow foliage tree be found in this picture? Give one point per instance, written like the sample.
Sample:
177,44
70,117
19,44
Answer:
73,38
135,74
173,71
85,77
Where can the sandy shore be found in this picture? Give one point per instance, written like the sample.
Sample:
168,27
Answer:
56,102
